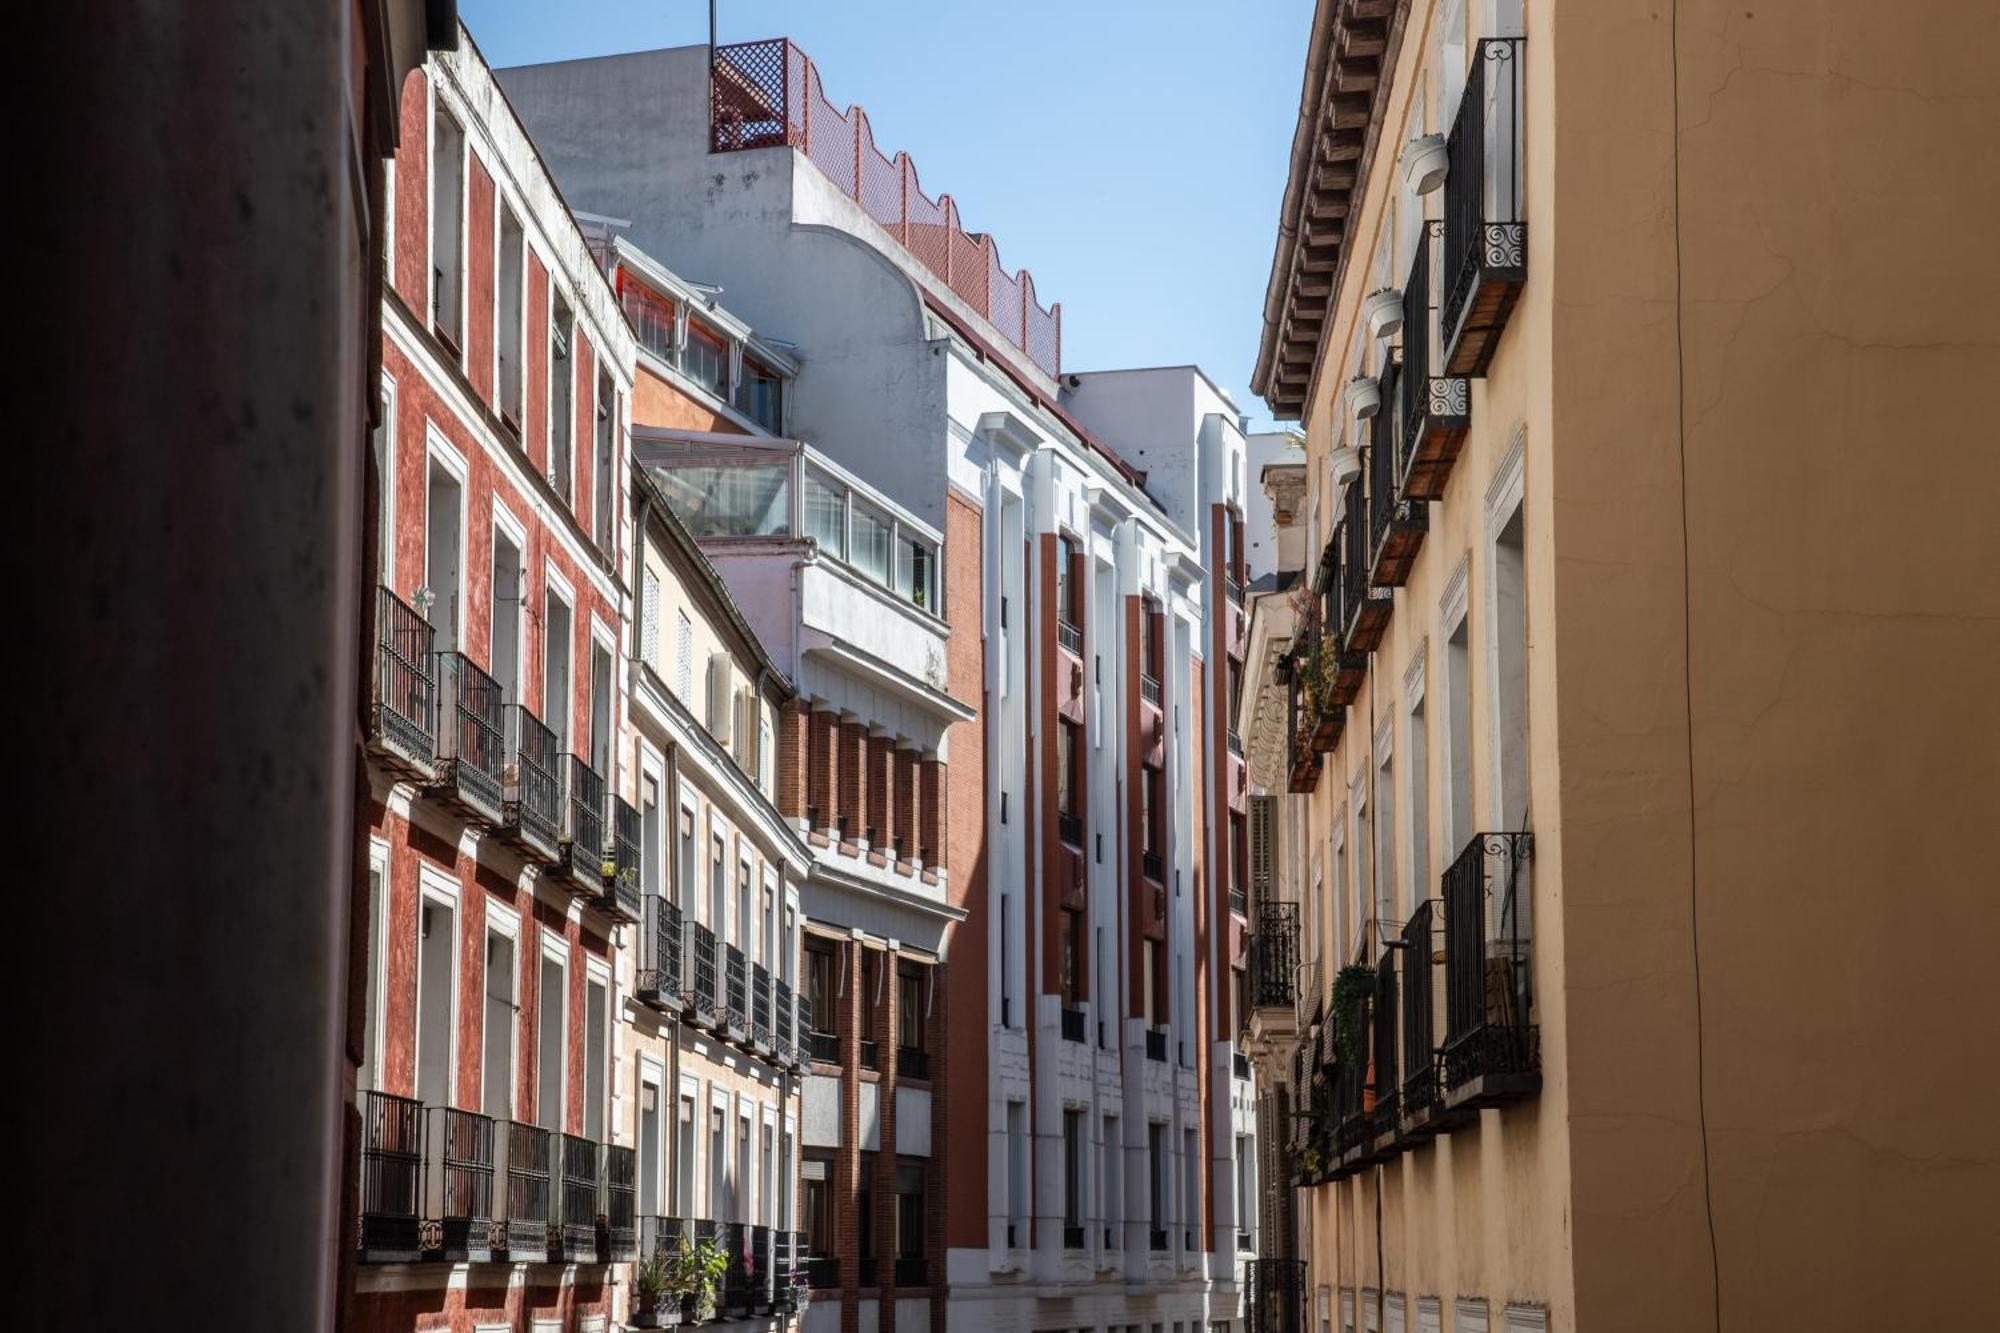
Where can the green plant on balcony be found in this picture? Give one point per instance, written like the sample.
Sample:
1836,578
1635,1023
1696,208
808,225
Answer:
1352,985
1315,672
694,1273
652,1285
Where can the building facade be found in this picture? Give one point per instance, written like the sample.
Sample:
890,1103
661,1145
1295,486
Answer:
495,1174
1054,708
1539,1001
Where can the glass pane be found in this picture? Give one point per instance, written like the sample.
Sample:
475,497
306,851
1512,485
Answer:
918,565
825,516
729,500
872,538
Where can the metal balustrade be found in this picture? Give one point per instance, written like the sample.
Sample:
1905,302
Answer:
391,1166
458,1185
621,886
701,994
1485,240
1437,409
1274,956
577,1198
660,976
1492,1046
785,1028
1382,1077
582,842
532,813
525,1161
472,748
1149,689
735,984
1069,638
760,1005
618,1239
404,711
1396,526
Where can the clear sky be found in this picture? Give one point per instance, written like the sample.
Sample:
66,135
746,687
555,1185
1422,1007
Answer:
1130,153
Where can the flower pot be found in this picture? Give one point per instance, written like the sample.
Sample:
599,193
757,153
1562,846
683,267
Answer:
1364,396
1425,163
1383,309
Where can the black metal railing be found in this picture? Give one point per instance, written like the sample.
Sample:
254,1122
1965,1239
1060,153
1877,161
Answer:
1072,1024
1492,1049
824,1046
1239,1064
1153,866
913,1062
1274,956
1276,1300
823,1272
735,985
618,1240
405,680
621,886
1387,1086
763,1268
735,1241
1354,557
1156,1044
1232,591
913,1271
1483,230
760,1004
870,1053
534,780
1234,740
577,1198
1384,458
1149,689
1069,637
1156,1238
1351,1131
1420,1069
783,1028
660,956
391,1167
583,819
701,991
472,736
1070,828
458,1184
527,1162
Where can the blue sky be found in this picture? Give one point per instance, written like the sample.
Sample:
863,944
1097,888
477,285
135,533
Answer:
1131,154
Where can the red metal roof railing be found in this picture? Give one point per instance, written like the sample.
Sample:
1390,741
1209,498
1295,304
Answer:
767,94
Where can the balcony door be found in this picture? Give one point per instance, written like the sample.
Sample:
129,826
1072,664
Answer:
549,1036
497,1048
684,1176
504,614
649,1146
555,668
596,1037
437,951
443,554
600,709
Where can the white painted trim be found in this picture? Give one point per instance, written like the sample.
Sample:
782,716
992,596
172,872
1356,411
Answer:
378,977
386,537
434,883
1452,604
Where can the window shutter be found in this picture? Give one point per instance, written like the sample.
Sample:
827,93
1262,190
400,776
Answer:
649,623
684,660
719,698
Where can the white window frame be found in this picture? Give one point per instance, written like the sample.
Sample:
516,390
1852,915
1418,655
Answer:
435,885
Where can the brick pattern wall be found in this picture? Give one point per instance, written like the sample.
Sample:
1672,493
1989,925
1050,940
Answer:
881,815
850,799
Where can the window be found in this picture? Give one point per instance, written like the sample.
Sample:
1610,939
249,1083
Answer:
819,992
1156,963
507,313
649,620
447,227
684,1158
562,399
919,575
871,971
603,474
443,556
743,940
600,708
1415,769
549,1044
872,543
718,886
910,1006
437,953
1017,1174
378,894
683,656
1069,588
1072,1178
1150,662
1156,1179
504,614
864,1207
497,1041
1114,1181
825,515
650,1172
706,359
909,1210
760,395
816,1202
718,1163
1385,845
1071,979
555,667
1458,736
651,314
1150,810
739,1195
686,880
596,1056
1069,752
1510,668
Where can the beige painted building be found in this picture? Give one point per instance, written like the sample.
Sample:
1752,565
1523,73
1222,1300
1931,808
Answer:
1630,716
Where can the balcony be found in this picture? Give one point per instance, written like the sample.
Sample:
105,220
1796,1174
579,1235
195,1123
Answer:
1382,1079
531,817
1276,1299
1156,1050
580,850
913,1062
618,1236
760,1007
913,1271
391,1170
1492,1046
823,1272
471,770
576,1230
785,1027
1070,829
734,1238
1153,866
702,995
1072,1024
523,1231
1156,1240
1149,689
1234,740
403,709
659,980
1069,638
620,899
1437,409
1485,258
763,1269
735,1014
1396,526
1274,965
1422,1102
1364,604
824,1047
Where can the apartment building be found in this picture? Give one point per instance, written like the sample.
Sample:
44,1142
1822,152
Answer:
1582,657
1069,677
496,1176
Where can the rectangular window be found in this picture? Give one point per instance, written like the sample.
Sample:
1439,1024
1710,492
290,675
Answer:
825,515
685,1174
651,315
816,1202
706,359
1069,791
1072,1178
909,1210
1114,1182
870,974
1458,736
444,557
864,1208
918,577
596,1057
604,474
760,395
1150,811
1385,845
600,709
437,953
650,1173
910,1006
1071,979
497,1058
1156,1179
447,228
1510,666
555,667
504,614
872,543
1069,600
562,397
1017,1174
507,314
819,988
549,1045
683,657
1416,777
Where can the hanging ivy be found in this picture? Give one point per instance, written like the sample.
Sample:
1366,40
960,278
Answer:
1353,984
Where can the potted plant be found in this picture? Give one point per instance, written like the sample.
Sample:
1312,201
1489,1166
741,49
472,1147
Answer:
801,1294
1383,308
1353,984
1364,396
1425,163
652,1292
694,1274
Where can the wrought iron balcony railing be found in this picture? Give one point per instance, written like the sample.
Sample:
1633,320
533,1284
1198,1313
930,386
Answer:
1274,956
533,810
735,984
702,995
1149,689
620,899
1396,526
577,1199
1383,1080
1072,1024
1422,1102
1437,409
1070,828
785,1026
582,842
618,1238
823,1272
824,1046
1492,1045
526,1157
391,1169
913,1062
405,686
913,1271
1276,1299
1069,638
1153,866
763,1268
660,975
472,744
760,1005
458,1185
1485,240
1365,606
736,1295
1156,1044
